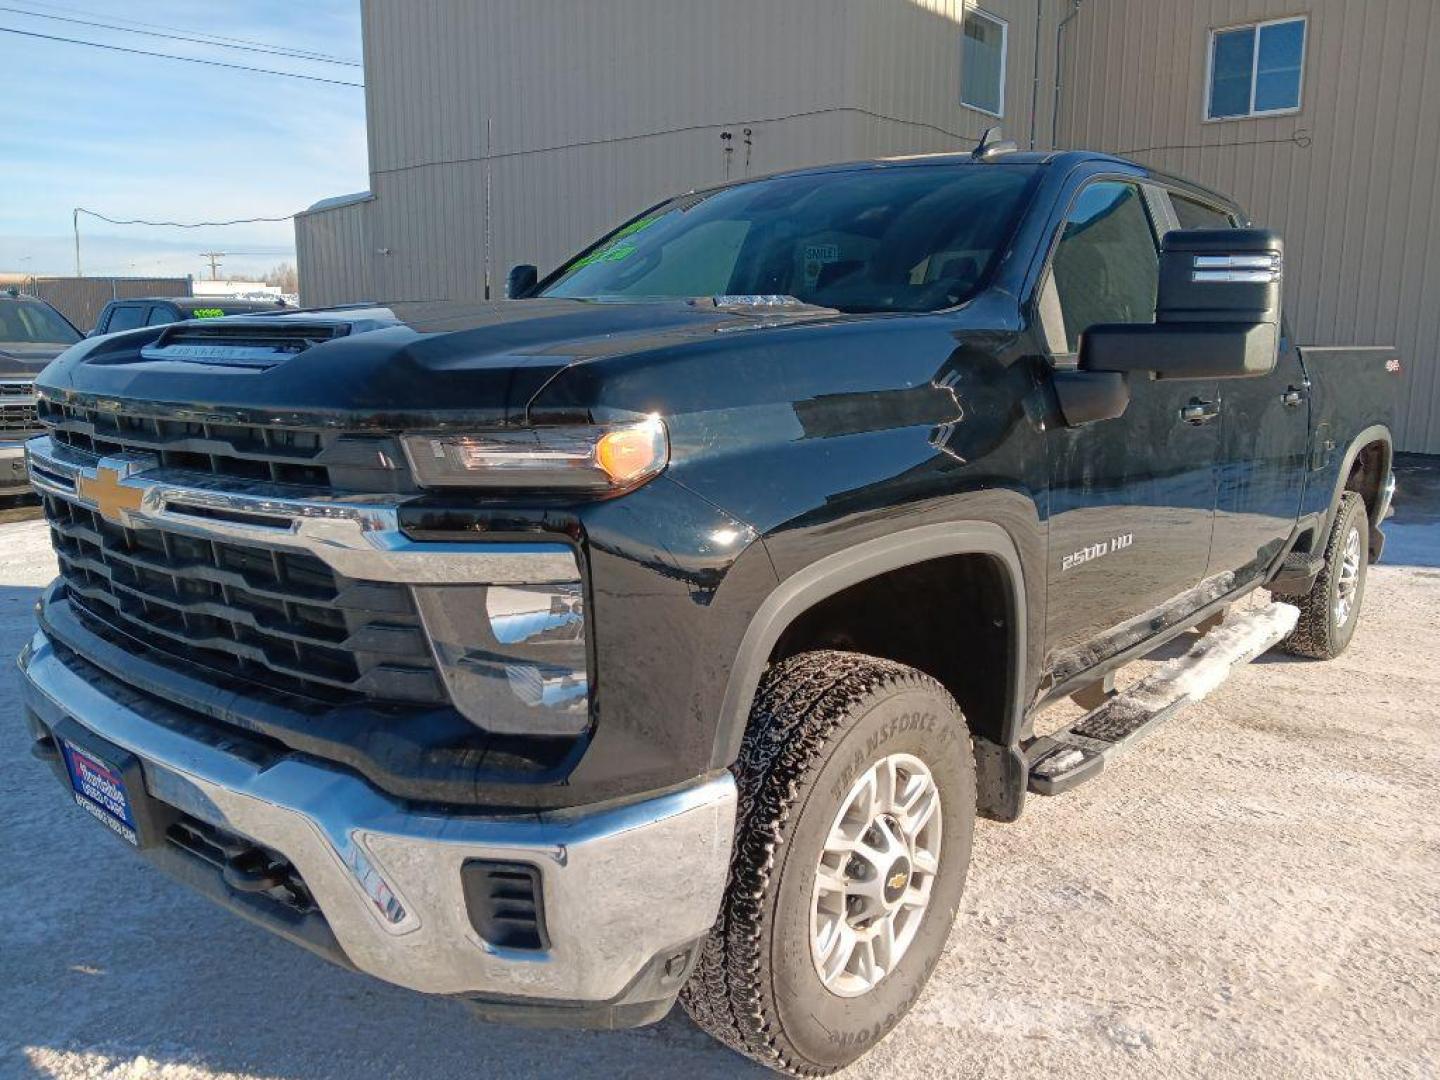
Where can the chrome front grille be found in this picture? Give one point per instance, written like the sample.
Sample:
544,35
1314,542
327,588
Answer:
185,439
281,619
303,590
17,406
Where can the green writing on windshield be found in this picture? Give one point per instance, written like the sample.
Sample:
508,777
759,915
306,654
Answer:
608,254
207,313
614,249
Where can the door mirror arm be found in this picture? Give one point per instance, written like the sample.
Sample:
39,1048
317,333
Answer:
1086,397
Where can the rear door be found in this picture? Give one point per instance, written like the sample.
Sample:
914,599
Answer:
1131,499
1264,435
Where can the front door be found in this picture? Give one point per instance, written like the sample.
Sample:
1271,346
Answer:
1264,436
1132,499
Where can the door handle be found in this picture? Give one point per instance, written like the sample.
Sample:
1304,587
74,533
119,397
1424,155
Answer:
1199,412
1293,396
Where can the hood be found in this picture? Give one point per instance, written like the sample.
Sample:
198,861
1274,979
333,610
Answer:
28,357
412,364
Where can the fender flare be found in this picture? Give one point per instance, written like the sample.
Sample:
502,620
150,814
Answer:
1372,434
837,572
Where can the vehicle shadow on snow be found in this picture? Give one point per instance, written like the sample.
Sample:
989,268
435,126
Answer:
216,997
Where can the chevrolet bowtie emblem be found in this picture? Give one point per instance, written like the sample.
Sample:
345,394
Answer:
108,495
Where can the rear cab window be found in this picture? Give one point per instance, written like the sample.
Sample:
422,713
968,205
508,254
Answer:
1193,214
125,317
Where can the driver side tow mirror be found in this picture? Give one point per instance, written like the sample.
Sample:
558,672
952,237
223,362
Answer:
1217,316
520,281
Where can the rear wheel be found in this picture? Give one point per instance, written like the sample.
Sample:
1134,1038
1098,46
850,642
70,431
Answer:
856,813
1330,611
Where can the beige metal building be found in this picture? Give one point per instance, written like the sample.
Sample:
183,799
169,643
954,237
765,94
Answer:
505,131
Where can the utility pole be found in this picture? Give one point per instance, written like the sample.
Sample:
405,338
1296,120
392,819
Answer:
75,224
214,257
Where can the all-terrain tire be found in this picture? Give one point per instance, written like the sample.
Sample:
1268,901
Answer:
1321,633
819,721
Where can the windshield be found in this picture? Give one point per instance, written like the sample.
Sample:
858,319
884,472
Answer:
904,238
26,323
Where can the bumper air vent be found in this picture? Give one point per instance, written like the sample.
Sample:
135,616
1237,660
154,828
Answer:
505,903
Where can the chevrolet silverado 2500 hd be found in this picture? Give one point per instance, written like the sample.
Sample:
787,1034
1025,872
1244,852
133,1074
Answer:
661,632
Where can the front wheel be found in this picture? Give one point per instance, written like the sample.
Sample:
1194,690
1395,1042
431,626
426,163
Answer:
1329,612
857,807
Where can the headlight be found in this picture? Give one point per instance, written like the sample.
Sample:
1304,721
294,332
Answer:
589,458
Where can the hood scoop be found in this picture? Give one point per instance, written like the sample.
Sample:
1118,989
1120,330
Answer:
245,343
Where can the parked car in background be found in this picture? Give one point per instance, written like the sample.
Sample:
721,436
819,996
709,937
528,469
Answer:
32,333
157,310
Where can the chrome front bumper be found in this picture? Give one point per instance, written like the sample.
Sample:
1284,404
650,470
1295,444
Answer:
622,886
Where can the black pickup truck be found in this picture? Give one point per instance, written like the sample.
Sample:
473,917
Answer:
661,632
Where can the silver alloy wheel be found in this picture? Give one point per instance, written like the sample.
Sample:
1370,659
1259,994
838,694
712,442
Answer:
1349,582
875,875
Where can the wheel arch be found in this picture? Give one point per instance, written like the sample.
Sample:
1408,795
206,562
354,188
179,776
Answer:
1365,475
1000,763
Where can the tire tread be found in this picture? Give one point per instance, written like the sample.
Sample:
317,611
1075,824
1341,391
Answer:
1314,633
801,703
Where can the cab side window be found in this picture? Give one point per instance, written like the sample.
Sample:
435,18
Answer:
1106,267
125,317
159,316
1196,215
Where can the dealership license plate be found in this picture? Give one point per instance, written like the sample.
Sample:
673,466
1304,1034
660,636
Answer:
100,791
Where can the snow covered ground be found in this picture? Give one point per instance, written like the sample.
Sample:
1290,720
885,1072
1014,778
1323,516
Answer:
1255,891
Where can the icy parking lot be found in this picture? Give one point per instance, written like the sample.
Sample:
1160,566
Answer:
1254,892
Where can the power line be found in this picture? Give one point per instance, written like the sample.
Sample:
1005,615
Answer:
172,56
300,53
180,224
607,140
280,51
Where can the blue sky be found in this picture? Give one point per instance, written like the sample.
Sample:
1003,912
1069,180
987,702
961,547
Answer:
138,137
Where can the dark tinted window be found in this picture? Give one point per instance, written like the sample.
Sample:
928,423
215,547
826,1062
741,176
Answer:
1195,215
125,317
905,238
33,322
1106,267
160,315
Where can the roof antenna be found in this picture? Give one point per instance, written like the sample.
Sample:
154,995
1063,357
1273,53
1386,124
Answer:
991,144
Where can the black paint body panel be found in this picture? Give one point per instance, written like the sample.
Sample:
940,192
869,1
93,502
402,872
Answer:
797,435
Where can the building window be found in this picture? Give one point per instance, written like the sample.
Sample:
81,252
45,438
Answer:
1256,70
982,63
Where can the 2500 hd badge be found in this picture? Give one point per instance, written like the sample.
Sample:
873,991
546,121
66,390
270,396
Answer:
1096,551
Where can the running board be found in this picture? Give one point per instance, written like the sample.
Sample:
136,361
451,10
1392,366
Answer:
1060,761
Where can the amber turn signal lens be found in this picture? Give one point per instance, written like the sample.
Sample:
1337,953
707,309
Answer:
630,453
